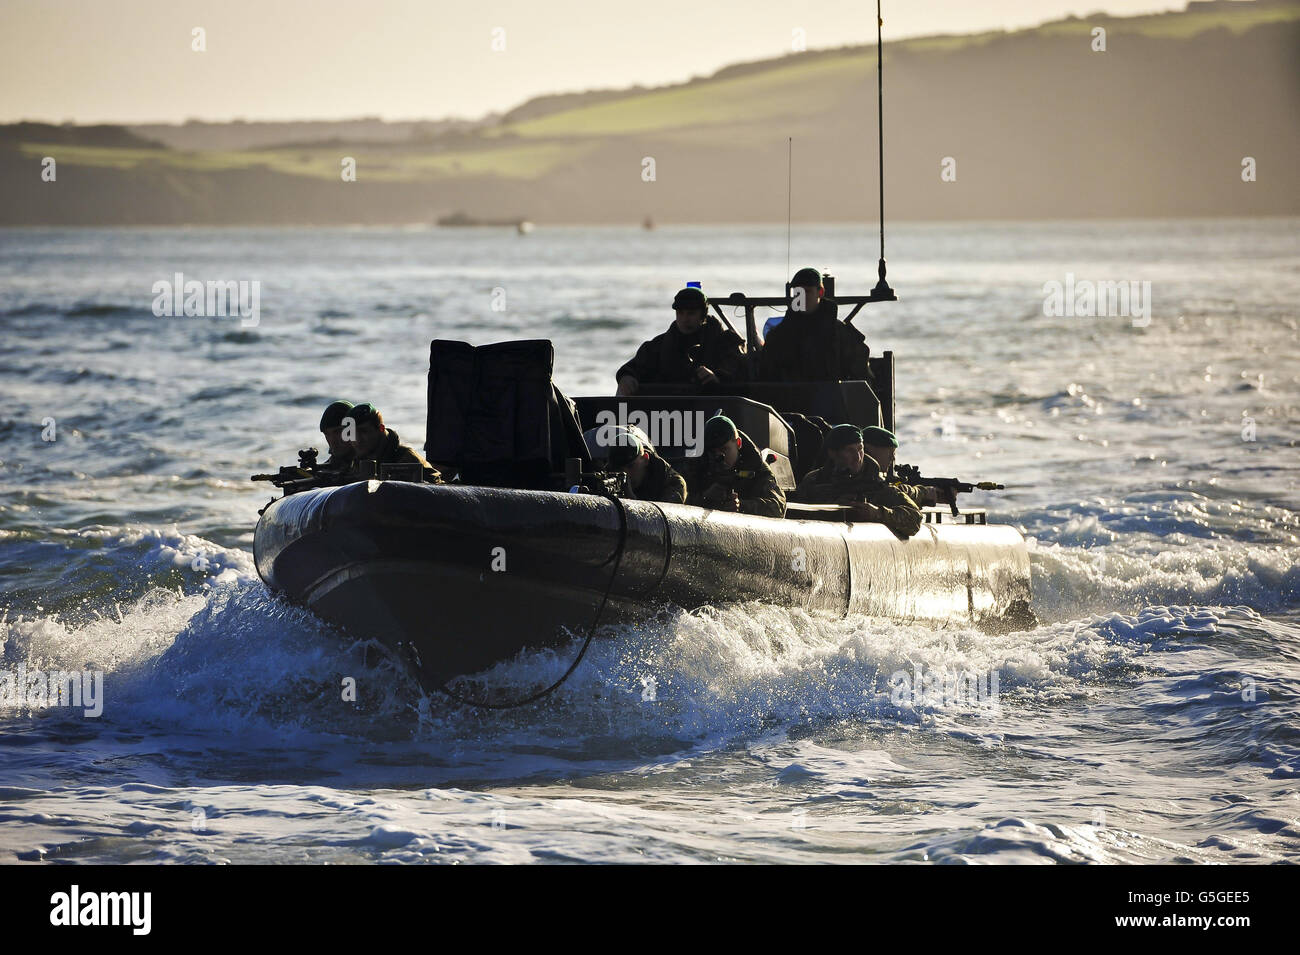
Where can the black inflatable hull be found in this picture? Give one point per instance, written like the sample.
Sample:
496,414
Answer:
459,578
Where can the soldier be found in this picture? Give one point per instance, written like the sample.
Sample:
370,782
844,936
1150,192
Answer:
732,475
811,343
374,442
882,446
331,425
649,477
853,479
696,350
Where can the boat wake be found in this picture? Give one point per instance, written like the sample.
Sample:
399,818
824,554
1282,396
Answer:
224,655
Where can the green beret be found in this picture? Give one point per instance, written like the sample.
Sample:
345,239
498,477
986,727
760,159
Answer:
334,414
807,278
363,412
879,438
717,430
842,435
616,446
690,297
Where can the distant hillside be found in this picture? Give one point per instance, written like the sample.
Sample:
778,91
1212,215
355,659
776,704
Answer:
239,134
1035,122
102,137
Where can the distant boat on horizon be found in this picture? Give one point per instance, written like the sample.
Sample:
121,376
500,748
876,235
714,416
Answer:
462,220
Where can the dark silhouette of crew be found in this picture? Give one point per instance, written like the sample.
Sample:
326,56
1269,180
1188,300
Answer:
696,350
811,343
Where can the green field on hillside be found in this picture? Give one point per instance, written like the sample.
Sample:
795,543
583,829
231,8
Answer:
508,160
791,84
1179,26
793,89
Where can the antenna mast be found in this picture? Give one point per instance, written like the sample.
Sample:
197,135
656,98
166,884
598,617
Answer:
882,289
789,193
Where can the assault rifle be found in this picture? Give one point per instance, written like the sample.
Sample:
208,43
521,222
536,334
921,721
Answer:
603,483
717,474
911,474
307,475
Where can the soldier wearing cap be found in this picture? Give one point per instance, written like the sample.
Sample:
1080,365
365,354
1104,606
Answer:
373,441
331,425
882,447
649,477
853,478
696,350
732,475
811,343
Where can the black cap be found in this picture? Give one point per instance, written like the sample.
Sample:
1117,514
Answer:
842,435
690,297
807,278
335,411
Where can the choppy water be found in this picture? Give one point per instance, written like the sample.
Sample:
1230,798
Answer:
1153,716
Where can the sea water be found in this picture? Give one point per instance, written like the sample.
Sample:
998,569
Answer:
1150,458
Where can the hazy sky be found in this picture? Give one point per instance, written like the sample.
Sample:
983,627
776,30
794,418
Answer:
131,60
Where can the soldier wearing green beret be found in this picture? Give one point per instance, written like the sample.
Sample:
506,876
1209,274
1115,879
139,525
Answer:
882,446
696,350
851,478
649,476
732,475
331,426
373,441
811,343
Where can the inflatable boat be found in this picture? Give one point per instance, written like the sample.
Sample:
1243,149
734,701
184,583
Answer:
460,576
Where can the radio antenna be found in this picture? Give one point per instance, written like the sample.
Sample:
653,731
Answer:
789,197
882,289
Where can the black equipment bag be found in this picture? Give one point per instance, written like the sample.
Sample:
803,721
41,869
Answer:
495,416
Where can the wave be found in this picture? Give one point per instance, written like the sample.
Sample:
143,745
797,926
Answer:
106,310
234,649
83,574
31,308
1130,574
187,633
572,322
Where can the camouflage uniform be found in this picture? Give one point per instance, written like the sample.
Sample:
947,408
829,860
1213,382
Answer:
917,492
828,486
392,451
661,483
751,479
